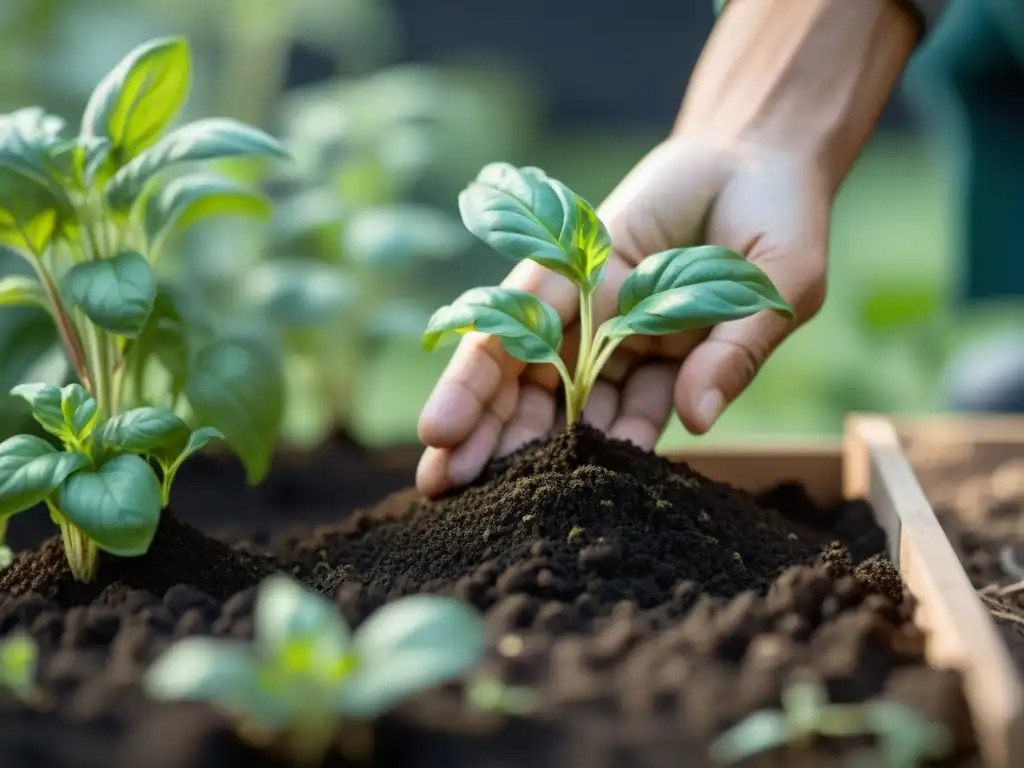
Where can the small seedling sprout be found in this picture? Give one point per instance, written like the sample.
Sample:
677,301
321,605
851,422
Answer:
19,665
904,739
522,213
306,672
90,215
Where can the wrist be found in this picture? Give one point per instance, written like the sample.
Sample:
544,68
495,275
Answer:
805,77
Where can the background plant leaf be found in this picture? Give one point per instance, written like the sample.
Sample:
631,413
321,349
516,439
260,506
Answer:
207,139
137,100
116,294
237,387
184,201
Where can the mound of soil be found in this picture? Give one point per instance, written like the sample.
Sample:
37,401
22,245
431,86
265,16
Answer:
179,556
646,607
581,520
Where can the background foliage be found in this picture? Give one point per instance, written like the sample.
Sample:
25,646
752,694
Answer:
366,237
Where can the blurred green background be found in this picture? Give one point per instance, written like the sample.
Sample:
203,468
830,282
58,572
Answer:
389,117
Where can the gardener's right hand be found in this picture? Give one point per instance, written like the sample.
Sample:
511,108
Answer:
772,121
769,206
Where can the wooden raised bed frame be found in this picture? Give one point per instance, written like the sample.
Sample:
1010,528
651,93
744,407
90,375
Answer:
869,463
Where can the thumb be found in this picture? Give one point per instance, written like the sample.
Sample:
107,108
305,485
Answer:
724,364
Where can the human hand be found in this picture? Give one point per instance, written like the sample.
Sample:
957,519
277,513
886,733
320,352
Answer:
770,206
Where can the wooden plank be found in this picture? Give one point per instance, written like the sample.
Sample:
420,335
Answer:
818,465
870,463
961,634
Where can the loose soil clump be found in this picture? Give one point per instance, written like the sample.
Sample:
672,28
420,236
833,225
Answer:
645,608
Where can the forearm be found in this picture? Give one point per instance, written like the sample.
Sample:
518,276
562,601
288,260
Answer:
809,76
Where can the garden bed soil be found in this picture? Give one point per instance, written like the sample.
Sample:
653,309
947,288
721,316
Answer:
646,607
977,491
303,490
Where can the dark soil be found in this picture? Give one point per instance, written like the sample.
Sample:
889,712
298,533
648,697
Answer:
977,491
210,491
646,607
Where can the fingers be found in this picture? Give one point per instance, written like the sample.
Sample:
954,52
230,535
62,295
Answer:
722,366
645,405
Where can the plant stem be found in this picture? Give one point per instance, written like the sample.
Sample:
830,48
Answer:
572,410
586,332
79,549
66,330
602,359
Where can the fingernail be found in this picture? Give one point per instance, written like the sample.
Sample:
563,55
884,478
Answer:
709,407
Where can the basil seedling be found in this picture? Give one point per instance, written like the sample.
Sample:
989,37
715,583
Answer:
19,665
307,672
522,213
90,215
904,738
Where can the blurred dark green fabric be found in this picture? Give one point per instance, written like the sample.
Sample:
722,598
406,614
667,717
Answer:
969,79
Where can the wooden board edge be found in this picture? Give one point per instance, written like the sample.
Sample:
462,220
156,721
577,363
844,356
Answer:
818,465
987,428
961,633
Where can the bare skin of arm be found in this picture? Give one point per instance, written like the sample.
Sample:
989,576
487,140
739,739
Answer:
784,96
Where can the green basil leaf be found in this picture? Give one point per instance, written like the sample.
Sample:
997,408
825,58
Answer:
135,103
288,614
189,199
30,470
529,329
524,214
46,402
164,337
116,294
90,155
198,440
209,139
408,646
391,235
29,209
79,409
687,288
299,292
21,290
117,505
759,732
205,669
143,430
237,387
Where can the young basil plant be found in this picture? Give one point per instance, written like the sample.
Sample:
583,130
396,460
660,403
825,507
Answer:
306,671
91,214
19,665
904,738
522,213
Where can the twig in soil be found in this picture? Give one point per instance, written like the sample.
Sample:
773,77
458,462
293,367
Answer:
1001,610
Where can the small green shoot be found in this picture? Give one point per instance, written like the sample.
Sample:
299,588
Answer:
307,672
904,739
487,694
522,213
19,665
90,215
